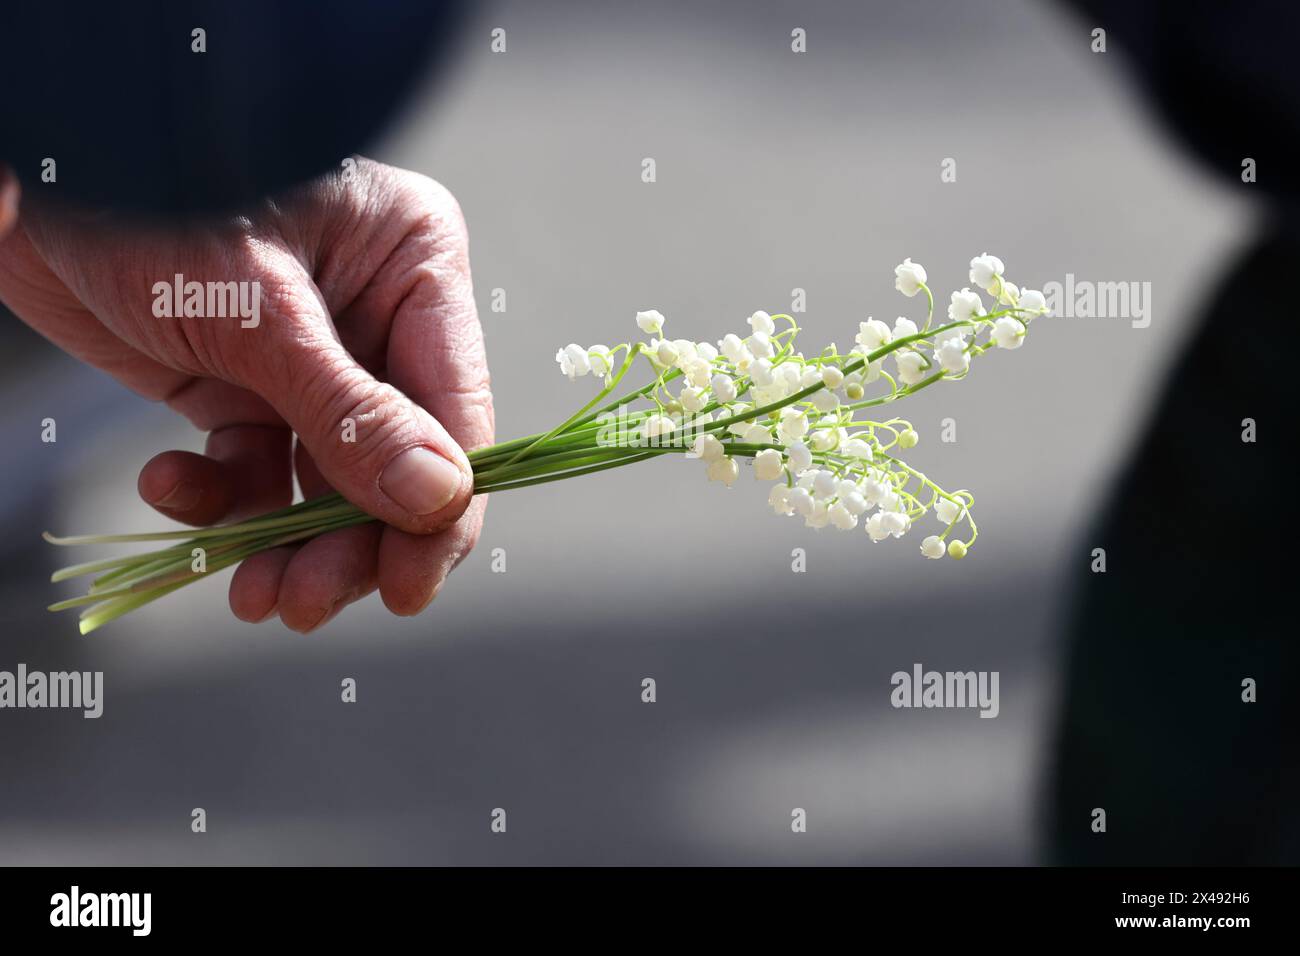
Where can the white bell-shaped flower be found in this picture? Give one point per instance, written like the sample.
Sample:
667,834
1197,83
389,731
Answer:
732,347
824,400
965,306
599,357
872,334
768,465
911,366
724,387
692,399
856,448
573,361
841,517
908,276
697,372
823,484
986,272
707,448
794,425
760,345
801,500
952,356
665,352
948,511
799,456
904,326
896,523
820,516
854,501
1032,301
762,322
651,322
1008,333
723,469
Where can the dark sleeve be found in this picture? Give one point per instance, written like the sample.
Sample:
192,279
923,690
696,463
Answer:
136,119
1223,76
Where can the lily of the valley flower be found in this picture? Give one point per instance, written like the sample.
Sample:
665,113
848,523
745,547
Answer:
986,272
909,277
805,420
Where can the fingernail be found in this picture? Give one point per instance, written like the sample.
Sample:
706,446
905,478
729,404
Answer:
325,616
182,497
421,481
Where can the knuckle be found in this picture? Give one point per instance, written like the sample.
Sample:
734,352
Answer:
352,419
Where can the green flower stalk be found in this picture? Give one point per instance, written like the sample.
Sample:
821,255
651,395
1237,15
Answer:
801,421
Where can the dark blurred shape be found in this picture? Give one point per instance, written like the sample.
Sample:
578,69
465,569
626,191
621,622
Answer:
1197,597
136,120
1224,77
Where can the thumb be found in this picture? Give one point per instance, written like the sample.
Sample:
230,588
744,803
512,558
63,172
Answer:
380,450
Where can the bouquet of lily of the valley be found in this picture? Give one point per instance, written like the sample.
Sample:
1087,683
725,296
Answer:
801,420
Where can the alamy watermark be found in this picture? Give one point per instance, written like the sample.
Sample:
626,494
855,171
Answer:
1085,299
209,300
922,688
75,908
671,428
74,690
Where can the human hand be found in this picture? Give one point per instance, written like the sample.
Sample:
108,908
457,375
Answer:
366,316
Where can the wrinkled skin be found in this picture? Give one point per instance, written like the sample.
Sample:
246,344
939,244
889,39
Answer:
367,312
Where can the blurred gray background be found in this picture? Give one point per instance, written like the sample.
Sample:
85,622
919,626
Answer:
522,690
